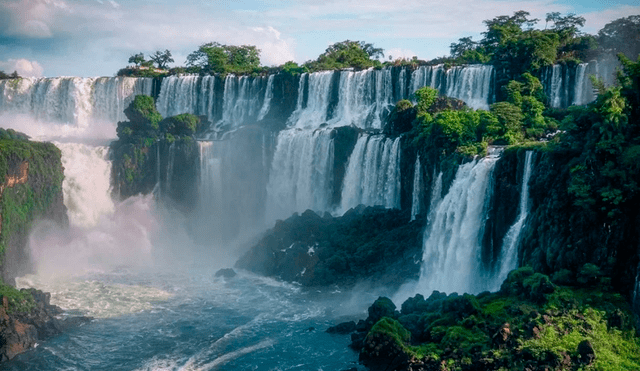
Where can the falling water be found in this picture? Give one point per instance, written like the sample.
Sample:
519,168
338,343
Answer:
71,100
301,174
416,197
452,241
373,173
509,255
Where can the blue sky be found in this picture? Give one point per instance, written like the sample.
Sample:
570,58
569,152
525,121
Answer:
96,37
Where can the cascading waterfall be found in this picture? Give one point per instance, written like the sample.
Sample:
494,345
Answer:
243,98
566,85
268,95
312,112
188,94
72,100
301,174
86,185
373,173
436,195
416,196
452,240
509,252
365,98
471,83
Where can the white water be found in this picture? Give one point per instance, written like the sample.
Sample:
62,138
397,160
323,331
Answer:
471,83
416,195
301,174
436,195
86,185
187,94
373,173
452,241
312,112
509,251
71,100
563,89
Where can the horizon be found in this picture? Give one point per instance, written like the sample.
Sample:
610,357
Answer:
88,38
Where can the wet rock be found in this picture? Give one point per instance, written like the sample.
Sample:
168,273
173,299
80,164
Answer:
357,340
343,328
382,352
21,331
226,273
586,352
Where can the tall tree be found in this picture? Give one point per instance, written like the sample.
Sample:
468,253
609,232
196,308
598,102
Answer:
162,58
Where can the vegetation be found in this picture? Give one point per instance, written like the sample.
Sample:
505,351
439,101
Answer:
347,54
23,203
136,149
20,301
214,57
531,323
4,76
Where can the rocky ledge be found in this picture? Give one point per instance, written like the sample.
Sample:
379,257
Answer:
370,244
26,317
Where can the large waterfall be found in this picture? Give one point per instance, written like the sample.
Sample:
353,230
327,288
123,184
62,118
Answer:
301,173
509,252
72,100
373,173
452,240
473,83
566,86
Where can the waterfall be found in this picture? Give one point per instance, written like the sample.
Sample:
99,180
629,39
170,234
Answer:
509,252
365,98
268,95
188,94
452,241
86,186
471,83
417,190
314,112
373,173
436,195
301,174
72,100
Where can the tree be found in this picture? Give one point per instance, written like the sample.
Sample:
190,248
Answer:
214,57
463,45
162,58
622,36
345,54
137,59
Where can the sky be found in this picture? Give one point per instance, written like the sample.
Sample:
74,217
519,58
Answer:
96,37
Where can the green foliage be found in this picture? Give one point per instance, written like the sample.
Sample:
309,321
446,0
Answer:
214,57
137,59
425,97
23,203
10,134
442,330
621,36
162,58
185,124
14,75
347,54
293,69
20,301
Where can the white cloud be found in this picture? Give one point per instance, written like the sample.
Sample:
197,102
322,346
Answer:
24,67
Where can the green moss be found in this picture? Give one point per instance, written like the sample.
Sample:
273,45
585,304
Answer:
23,203
20,301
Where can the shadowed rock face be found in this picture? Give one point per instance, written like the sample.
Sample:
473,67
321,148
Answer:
372,243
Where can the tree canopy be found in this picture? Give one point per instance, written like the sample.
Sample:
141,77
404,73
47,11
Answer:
214,57
347,54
